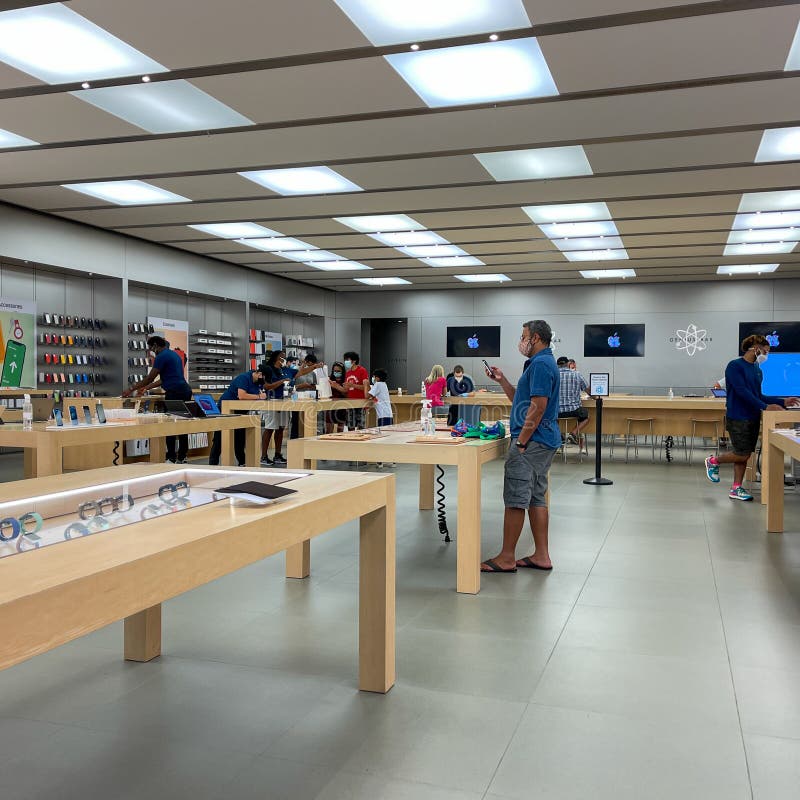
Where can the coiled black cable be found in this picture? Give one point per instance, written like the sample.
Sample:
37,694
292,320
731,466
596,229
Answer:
669,443
440,512
115,462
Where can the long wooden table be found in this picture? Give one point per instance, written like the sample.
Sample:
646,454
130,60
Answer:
397,446
406,407
771,420
44,445
58,593
777,445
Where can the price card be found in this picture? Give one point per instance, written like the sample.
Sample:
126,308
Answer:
598,384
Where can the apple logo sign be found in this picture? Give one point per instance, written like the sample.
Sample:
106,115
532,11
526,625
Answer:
773,339
613,341
472,342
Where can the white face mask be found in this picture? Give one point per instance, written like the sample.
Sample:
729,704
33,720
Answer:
525,346
372,381
459,378
762,357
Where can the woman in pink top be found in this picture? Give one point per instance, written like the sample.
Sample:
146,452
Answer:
436,386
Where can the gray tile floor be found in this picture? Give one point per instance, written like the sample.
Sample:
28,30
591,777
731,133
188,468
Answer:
661,659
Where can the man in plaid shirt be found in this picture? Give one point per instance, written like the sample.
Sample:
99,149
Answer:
569,403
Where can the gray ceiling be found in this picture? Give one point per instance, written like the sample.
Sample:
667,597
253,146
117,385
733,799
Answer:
668,99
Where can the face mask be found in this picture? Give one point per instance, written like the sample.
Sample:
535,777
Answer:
337,374
524,347
372,381
348,364
459,378
762,357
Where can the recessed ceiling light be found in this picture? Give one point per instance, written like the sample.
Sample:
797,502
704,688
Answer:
538,163
493,37
379,223
432,251
596,255
779,144
793,61
398,21
454,261
415,47
608,273
382,281
302,180
764,235
568,212
8,139
486,277
589,243
746,269
145,79
477,73
86,85
763,248
165,107
127,193
560,230
408,238
307,256
277,244
234,230
56,45
337,266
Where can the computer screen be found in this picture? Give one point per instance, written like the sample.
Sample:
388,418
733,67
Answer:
480,341
619,341
783,337
781,374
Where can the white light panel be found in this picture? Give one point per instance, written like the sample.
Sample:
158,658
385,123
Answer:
486,277
779,144
312,254
399,239
589,243
542,162
382,281
164,107
432,251
337,266
395,21
768,219
764,235
476,73
769,201
560,230
57,45
277,244
596,255
453,261
234,230
8,139
379,223
747,269
756,249
793,61
302,180
568,212
127,193
608,273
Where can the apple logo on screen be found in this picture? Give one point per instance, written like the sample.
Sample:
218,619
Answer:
773,339
472,342
613,341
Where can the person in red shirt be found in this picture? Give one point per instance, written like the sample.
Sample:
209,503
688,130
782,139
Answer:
435,387
356,380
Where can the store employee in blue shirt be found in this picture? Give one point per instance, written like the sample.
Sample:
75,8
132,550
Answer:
535,437
167,372
247,386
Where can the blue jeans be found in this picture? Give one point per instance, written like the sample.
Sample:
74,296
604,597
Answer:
383,421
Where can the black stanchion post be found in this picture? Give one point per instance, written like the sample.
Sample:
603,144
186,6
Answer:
598,479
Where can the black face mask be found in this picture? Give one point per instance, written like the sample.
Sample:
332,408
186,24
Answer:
260,382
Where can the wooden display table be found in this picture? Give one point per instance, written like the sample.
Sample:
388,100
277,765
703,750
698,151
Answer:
399,447
769,421
44,445
670,417
776,446
406,407
58,593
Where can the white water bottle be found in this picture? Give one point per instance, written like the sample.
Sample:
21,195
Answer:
671,394
27,413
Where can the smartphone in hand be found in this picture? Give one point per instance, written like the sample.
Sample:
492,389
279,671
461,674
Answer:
489,370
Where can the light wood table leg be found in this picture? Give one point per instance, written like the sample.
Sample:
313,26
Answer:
298,557
29,462
252,446
376,598
308,423
426,487
158,450
468,534
775,492
227,458
49,460
143,635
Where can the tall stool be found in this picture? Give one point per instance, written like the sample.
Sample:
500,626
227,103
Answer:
704,428
636,427
563,426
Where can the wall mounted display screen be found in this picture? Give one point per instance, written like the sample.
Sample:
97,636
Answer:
783,337
781,374
480,341
619,341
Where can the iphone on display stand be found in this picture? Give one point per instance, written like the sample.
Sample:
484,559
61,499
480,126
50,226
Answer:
73,415
101,413
57,415
87,415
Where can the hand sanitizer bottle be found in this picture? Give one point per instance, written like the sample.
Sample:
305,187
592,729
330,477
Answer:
27,413
671,394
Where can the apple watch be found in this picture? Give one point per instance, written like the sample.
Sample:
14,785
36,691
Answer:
31,522
76,529
9,529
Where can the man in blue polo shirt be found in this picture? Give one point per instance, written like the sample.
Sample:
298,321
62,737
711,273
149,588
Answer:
535,437
247,386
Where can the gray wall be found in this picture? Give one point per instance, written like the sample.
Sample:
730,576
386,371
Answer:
716,306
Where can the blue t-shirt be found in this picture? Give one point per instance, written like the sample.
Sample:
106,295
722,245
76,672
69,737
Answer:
170,368
244,381
743,385
271,375
540,379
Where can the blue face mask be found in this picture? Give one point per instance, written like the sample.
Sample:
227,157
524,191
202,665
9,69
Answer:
348,364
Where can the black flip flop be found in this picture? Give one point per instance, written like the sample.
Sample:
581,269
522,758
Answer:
529,564
495,567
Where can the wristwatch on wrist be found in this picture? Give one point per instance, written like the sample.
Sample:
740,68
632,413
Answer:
521,445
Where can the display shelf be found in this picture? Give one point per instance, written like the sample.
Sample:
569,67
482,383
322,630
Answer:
212,361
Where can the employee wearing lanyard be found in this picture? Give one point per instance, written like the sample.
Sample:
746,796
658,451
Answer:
167,372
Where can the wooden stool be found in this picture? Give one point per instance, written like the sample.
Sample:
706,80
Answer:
639,426
702,427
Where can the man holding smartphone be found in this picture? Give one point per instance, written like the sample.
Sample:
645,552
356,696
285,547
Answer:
535,437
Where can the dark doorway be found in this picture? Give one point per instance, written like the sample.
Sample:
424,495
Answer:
384,345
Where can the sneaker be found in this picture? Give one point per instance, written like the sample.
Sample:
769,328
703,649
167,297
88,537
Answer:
739,493
279,459
496,431
571,439
267,462
182,461
712,472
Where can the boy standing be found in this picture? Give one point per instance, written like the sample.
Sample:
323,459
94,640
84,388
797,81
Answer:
379,394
